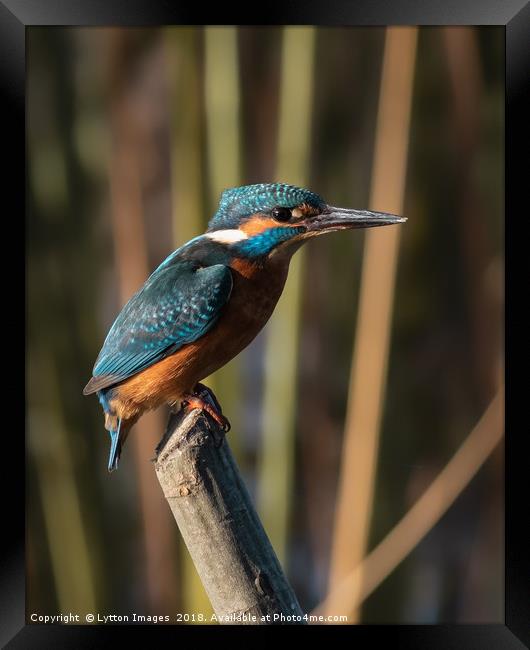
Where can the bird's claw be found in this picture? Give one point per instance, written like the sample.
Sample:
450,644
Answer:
204,399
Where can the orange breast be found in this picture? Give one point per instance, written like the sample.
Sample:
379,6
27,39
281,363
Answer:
254,295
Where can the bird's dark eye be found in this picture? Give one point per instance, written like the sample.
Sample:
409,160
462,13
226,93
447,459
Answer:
281,214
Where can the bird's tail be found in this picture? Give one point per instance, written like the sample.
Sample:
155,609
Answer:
115,446
117,429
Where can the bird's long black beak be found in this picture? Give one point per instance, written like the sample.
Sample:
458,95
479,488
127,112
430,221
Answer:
332,218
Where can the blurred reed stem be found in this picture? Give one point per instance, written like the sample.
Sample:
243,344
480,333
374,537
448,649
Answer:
187,191
133,269
276,469
60,240
222,103
370,358
71,561
461,49
482,283
222,97
188,205
348,594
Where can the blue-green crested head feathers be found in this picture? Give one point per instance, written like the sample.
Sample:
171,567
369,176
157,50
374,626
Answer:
240,202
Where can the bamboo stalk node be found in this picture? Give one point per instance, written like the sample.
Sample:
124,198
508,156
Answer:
213,510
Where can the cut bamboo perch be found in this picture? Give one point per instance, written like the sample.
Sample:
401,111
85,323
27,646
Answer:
225,538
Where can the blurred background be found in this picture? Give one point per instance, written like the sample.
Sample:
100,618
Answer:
367,416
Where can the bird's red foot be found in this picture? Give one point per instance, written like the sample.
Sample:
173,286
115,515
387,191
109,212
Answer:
205,400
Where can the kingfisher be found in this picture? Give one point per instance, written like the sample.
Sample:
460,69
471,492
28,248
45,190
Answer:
207,301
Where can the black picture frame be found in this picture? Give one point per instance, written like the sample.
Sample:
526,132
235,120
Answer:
514,15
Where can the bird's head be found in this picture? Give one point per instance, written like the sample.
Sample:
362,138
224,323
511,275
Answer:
259,220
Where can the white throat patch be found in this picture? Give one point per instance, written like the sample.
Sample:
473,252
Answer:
227,236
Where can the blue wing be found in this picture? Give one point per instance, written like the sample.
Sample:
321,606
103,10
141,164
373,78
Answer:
177,305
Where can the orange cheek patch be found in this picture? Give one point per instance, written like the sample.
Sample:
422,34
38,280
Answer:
256,225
